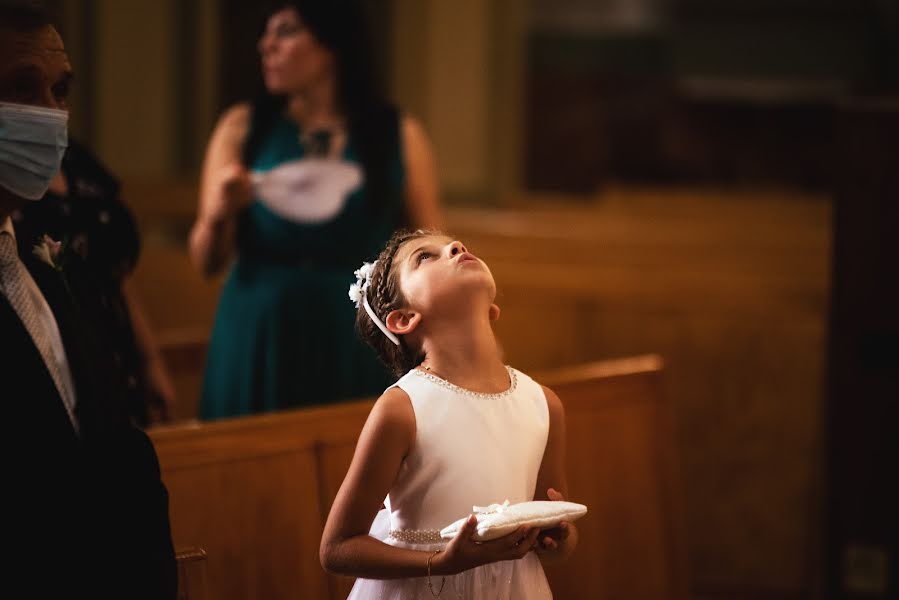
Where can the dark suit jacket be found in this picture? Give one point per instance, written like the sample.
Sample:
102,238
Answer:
89,512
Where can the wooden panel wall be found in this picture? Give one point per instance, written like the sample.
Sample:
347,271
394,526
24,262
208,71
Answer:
254,492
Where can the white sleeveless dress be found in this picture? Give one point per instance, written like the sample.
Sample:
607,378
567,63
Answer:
471,449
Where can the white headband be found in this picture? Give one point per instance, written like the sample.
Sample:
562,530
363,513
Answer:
359,295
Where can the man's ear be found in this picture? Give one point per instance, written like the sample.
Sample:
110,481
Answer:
402,322
494,312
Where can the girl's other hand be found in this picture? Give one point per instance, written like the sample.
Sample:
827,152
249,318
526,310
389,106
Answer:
463,552
550,539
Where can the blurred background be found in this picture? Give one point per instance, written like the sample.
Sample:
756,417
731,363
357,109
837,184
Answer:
711,181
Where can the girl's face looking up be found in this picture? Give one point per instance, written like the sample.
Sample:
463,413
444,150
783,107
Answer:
438,275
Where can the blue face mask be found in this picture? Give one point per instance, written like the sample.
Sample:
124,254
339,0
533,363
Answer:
32,142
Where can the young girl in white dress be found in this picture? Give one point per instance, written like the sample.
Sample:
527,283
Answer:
458,430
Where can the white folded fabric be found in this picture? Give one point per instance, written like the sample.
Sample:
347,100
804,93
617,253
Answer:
497,520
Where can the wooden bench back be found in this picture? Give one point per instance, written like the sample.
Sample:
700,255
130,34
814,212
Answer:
192,584
254,492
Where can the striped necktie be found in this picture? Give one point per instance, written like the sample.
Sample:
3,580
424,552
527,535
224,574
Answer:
14,279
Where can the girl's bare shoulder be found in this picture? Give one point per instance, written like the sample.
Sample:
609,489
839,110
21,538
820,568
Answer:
392,414
556,409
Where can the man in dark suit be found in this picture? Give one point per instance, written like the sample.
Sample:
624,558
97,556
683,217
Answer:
87,511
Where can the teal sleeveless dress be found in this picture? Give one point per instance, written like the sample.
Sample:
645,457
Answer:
284,333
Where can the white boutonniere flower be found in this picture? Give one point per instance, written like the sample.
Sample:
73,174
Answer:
49,251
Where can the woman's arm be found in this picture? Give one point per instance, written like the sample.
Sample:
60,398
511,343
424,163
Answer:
552,483
161,388
347,549
224,191
421,179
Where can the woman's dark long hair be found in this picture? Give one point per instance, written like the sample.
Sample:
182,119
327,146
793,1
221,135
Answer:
341,26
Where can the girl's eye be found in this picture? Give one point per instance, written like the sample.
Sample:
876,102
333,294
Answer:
424,255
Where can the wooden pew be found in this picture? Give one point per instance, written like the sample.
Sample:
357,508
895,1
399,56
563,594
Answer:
191,573
255,492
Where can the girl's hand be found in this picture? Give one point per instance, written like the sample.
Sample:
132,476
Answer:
234,192
550,540
463,553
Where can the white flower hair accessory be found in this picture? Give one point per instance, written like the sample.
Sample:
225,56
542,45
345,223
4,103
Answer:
359,295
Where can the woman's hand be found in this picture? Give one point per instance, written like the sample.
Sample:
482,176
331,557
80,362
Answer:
161,391
225,189
232,192
463,552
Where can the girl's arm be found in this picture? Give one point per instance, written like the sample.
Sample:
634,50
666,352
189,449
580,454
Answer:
347,549
224,191
421,180
552,484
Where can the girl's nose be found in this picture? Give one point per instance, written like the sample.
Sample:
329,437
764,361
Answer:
455,248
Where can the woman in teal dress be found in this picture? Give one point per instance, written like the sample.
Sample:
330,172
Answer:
297,190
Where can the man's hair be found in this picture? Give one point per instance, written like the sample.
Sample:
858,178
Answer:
23,16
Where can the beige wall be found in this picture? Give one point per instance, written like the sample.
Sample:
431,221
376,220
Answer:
145,95
459,67
135,96
457,79
442,64
208,71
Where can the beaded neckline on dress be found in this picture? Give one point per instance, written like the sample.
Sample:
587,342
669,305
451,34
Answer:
513,383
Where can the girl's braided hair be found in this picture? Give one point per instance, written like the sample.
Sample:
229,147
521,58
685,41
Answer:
385,295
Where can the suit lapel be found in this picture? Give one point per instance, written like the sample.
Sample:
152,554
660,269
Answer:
48,280
100,406
53,287
27,377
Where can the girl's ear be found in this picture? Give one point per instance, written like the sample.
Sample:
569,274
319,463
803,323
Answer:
402,322
494,312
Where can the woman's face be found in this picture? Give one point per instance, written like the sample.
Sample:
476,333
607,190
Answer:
292,59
